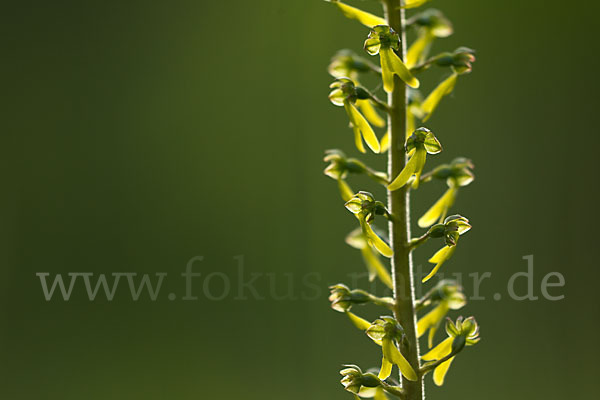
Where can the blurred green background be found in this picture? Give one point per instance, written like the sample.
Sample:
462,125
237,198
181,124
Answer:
139,134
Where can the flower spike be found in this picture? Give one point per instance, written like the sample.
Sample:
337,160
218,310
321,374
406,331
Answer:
409,145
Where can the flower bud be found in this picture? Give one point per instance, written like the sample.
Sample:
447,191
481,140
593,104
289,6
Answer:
342,298
353,379
460,60
437,231
345,94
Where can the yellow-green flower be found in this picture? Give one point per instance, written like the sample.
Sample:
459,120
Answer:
375,267
445,296
389,333
367,19
430,24
422,142
453,227
460,63
383,40
460,334
365,208
456,174
345,63
345,94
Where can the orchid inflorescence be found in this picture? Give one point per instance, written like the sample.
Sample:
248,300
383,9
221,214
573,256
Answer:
400,73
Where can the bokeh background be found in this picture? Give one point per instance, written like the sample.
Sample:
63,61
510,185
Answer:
137,135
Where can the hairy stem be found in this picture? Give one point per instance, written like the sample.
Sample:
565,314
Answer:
399,206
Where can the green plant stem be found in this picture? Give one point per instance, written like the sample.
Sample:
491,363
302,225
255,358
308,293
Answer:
430,367
399,206
382,301
433,365
414,243
380,104
394,390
